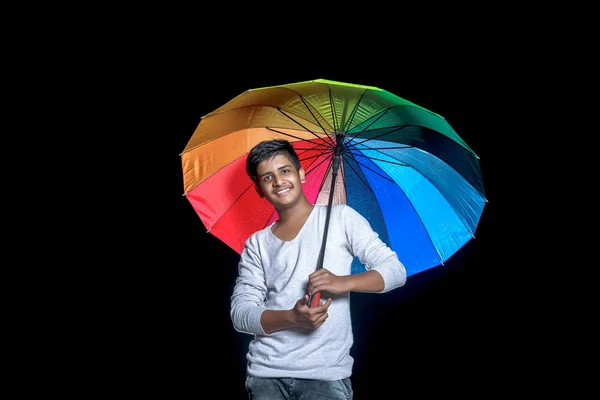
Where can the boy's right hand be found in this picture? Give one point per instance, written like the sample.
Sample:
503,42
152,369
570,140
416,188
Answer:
310,318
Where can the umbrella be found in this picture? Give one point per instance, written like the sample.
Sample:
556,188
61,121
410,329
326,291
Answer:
401,166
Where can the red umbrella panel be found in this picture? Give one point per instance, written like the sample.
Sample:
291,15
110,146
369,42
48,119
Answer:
226,201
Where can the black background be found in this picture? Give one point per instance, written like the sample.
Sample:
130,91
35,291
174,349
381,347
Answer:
123,293
475,326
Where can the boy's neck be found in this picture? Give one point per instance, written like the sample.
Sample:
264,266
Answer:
300,210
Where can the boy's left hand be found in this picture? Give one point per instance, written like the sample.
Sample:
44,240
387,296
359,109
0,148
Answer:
324,280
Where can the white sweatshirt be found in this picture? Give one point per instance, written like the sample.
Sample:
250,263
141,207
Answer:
273,274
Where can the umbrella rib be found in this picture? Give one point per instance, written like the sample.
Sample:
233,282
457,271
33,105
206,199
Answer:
305,128
354,146
357,174
231,205
297,137
379,159
370,169
383,134
378,116
308,107
463,144
354,110
333,115
317,147
315,156
384,148
313,167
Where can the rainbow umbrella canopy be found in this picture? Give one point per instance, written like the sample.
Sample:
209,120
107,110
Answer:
401,166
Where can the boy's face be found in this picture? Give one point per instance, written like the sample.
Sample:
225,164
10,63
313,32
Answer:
279,181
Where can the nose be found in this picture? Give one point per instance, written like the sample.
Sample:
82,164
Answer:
277,180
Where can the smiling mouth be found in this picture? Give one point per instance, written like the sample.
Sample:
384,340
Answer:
283,191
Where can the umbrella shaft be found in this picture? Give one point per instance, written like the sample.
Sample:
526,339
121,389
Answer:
336,166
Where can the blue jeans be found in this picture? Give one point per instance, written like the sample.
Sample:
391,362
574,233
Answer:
298,389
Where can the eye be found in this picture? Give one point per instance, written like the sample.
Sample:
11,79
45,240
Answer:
266,178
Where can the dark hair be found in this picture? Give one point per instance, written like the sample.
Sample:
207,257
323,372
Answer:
265,151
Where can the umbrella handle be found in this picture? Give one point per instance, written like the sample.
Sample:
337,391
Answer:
314,300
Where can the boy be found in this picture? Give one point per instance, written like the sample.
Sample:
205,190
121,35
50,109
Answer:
298,350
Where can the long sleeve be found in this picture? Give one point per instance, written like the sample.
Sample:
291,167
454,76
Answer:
249,292
372,251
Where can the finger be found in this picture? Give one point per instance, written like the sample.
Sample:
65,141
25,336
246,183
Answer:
322,308
303,301
320,287
322,319
317,273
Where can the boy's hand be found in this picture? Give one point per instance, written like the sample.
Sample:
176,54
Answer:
323,280
310,318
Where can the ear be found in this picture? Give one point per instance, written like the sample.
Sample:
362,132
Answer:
259,191
302,175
